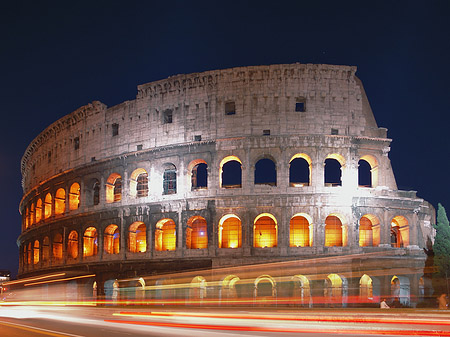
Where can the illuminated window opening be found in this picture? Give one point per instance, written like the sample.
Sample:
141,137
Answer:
74,196
230,232
333,288
57,247
45,249
137,238
36,252
265,172
90,242
368,171
399,232
369,231
72,245
366,287
231,172
300,170
302,289
196,233
112,239
139,183
165,235
27,217
170,180
32,214
30,254
265,231
114,188
38,210
48,206
199,176
334,232
60,201
300,233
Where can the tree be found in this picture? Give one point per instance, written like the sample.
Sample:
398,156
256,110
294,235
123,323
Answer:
441,245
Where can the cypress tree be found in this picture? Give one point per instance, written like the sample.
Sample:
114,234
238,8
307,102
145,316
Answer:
441,245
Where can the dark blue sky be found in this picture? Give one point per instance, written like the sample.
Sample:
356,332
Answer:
58,56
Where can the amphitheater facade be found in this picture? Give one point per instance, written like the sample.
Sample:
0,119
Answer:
227,168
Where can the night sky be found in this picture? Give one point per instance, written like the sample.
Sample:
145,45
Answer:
58,56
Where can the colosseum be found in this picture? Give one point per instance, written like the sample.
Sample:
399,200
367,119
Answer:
249,166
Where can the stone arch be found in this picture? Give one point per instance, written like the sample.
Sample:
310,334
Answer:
30,254
48,206
165,235
45,249
399,232
368,171
301,230
400,290
72,244
230,231
139,183
302,290
32,214
265,286
36,252
95,192
74,196
60,201
198,170
198,288
111,239
335,230
265,172
300,170
333,168
38,210
231,172
169,179
57,247
228,289
114,188
137,237
336,290
90,242
369,231
196,233
265,231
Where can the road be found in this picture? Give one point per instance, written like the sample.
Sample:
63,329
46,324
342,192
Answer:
75,321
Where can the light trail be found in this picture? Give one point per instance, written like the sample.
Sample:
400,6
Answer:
38,330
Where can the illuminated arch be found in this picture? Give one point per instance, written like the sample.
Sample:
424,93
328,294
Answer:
335,231
38,210
74,196
27,217
365,287
32,214
90,242
198,288
114,188
196,233
399,232
57,247
265,286
300,170
111,240
335,289
198,170
165,235
370,171
300,231
302,290
265,231
227,176
400,289
228,289
30,254
230,231
36,254
137,237
60,201
48,206
72,245
139,183
369,231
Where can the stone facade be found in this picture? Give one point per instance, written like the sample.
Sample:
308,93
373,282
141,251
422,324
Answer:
278,114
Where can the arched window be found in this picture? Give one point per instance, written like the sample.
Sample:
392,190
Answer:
265,286
45,249
265,231
30,254
369,231
299,231
170,179
27,217
57,247
333,289
199,175
36,252
333,170
196,233
368,171
165,235
74,196
399,232
32,214
90,242
137,237
114,188
96,193
111,240
300,170
72,245
231,172
139,183
365,287
39,210
48,206
60,201
334,232
230,232
265,172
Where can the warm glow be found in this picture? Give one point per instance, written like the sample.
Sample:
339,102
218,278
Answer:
225,161
74,196
32,214
57,247
399,232
333,286
333,231
165,235
365,287
299,232
137,237
111,239
90,243
139,183
230,232
60,201
48,206
265,231
36,252
369,231
72,246
196,233
114,188
373,162
38,210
